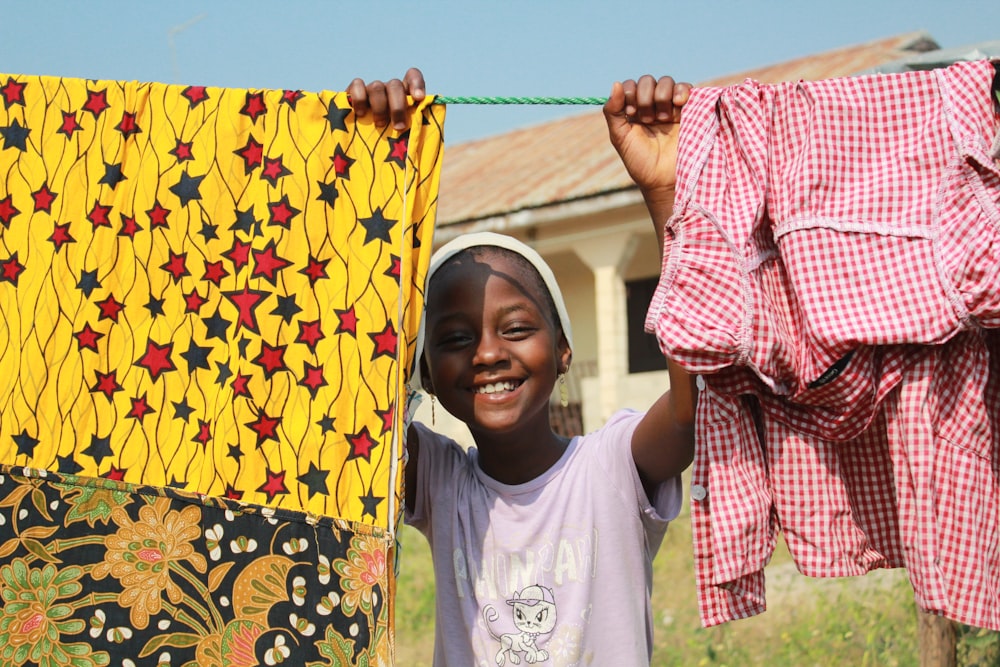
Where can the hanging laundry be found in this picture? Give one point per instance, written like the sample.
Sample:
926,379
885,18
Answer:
831,268
211,289
209,301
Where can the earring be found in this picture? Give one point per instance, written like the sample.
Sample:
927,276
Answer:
563,391
433,416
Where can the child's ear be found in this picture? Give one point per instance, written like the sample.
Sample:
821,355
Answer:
425,376
565,354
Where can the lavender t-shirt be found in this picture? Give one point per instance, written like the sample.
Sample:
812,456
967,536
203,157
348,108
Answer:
556,571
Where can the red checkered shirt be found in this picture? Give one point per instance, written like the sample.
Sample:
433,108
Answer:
832,267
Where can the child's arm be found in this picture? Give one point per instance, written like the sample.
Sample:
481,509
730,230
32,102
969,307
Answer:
643,120
386,100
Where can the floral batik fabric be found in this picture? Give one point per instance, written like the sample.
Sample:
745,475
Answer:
209,298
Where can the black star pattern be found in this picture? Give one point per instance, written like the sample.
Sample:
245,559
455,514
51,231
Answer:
182,410
88,282
286,308
196,357
224,373
99,449
328,193
25,443
315,480
209,231
235,452
326,424
155,306
337,117
112,175
68,465
242,345
216,326
370,503
15,136
377,226
187,188
177,483
247,223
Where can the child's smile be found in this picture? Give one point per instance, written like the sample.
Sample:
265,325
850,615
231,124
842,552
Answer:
493,349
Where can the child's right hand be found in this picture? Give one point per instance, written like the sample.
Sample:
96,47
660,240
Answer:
643,120
387,100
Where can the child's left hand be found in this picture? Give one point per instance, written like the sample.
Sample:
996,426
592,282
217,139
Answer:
387,100
643,120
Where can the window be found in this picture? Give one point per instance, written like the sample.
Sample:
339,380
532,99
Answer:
643,350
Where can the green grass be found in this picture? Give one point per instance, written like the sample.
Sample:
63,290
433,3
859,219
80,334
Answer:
858,621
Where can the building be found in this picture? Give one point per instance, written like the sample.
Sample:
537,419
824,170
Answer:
560,187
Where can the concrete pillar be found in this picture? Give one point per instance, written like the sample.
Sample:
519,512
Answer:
607,256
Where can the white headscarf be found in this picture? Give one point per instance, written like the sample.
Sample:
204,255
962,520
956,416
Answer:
466,241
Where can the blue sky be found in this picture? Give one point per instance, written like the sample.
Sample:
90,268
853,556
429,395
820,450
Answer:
465,47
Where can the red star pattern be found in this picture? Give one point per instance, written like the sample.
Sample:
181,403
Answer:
69,124
214,272
13,92
107,384
388,417
273,170
158,215
140,408
312,379
232,494
97,102
252,154
195,94
7,210
116,474
348,321
98,215
177,266
182,151
398,148
267,263
342,163
239,254
394,267
291,97
61,236
241,385
282,212
204,433
362,445
271,359
110,309
265,427
87,337
157,359
11,269
255,106
246,301
43,198
127,126
129,227
385,342
274,485
193,301
315,270
310,333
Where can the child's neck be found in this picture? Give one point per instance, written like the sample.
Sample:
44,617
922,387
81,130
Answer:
517,460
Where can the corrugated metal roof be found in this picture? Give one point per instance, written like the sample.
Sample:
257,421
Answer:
571,158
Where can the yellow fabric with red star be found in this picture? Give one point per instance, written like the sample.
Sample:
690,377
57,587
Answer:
212,289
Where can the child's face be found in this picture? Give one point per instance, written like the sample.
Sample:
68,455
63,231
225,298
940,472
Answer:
492,350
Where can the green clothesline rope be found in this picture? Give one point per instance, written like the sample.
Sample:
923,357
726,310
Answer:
520,100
